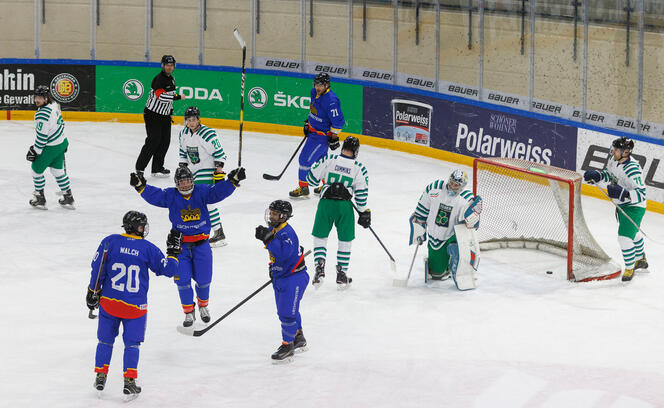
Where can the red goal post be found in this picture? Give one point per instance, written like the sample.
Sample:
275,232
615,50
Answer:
535,206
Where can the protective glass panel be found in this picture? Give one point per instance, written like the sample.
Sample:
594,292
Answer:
653,61
326,37
506,52
175,31
17,39
278,34
558,81
459,47
220,46
121,30
416,44
66,33
373,33
612,63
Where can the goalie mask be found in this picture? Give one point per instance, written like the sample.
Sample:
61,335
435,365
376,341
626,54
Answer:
457,182
278,212
184,181
136,223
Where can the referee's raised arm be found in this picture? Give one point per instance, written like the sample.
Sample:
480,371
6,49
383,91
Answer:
158,114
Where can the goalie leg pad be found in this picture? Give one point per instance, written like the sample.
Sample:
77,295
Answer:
464,257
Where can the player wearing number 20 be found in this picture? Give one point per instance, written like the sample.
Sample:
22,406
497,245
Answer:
625,186
441,206
340,173
321,128
120,275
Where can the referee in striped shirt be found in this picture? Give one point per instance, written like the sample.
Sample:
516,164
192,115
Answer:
158,114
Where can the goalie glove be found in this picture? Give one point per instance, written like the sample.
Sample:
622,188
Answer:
32,154
472,215
418,230
92,298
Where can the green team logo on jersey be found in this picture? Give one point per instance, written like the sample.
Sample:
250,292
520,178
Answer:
194,157
257,97
443,216
132,89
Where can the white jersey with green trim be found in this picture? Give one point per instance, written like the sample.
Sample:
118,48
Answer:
628,175
351,173
49,126
441,211
200,150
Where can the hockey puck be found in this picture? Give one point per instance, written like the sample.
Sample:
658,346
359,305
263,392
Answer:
549,272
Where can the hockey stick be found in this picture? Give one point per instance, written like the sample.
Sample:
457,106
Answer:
101,265
271,177
404,283
393,264
627,216
197,333
239,39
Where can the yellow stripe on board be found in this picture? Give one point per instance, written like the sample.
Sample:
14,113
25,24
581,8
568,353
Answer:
588,190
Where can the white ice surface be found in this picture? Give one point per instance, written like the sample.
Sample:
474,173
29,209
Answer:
522,339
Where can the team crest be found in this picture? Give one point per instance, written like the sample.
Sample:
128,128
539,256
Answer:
190,215
443,216
192,153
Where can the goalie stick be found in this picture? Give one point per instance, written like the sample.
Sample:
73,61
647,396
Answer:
271,177
404,283
239,39
101,266
189,331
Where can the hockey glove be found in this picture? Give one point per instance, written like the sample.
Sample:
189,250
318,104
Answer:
305,128
92,298
264,234
365,218
174,243
219,173
592,176
137,181
237,175
32,154
332,140
617,192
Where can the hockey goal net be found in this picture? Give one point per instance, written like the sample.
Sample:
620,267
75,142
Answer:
538,207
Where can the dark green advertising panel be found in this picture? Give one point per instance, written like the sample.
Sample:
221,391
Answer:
268,98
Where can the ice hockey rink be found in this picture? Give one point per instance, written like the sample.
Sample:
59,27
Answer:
521,339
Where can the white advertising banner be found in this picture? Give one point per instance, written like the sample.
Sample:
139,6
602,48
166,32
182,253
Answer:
593,153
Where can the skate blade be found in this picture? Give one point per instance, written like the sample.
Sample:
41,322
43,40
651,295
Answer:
643,270
68,206
219,244
318,285
129,397
306,197
343,286
301,349
286,360
39,207
160,175
100,394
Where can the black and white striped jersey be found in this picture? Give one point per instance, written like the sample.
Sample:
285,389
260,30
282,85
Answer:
162,94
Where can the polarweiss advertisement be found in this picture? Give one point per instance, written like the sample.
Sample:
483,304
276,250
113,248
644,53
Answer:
594,152
465,129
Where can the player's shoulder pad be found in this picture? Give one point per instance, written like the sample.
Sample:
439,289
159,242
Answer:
467,195
436,185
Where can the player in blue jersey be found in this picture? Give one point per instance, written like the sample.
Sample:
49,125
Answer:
321,128
289,276
119,284
187,205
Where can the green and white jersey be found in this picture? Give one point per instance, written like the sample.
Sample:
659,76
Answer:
441,211
628,175
200,150
49,126
334,168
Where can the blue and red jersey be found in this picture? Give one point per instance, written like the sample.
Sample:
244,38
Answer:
123,277
285,253
325,113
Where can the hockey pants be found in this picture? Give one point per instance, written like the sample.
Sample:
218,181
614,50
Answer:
133,334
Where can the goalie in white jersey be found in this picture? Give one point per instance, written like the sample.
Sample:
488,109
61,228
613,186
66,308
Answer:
201,151
49,149
341,174
624,178
443,205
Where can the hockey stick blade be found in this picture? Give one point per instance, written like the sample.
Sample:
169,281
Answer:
270,177
239,39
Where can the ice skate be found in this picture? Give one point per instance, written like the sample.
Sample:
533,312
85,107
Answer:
205,314
300,192
300,343
284,354
343,281
641,265
628,275
219,238
189,319
440,277
163,173
130,389
67,200
319,275
38,201
100,382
